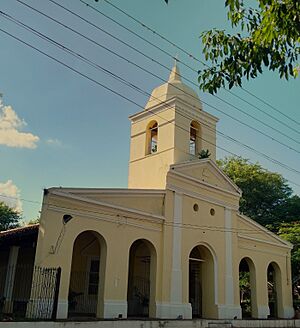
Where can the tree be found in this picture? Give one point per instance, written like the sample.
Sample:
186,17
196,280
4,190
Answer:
269,37
266,197
9,218
291,233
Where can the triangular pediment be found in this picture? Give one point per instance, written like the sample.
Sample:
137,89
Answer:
205,171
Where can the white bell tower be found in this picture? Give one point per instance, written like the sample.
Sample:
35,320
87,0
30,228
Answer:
173,128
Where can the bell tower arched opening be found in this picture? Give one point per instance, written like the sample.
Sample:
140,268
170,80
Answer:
172,129
151,138
195,142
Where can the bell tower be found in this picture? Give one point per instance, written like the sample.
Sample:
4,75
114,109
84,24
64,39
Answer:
173,128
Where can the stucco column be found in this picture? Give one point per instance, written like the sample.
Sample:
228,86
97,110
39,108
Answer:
10,278
116,278
176,273
286,290
176,308
63,303
64,258
261,310
229,310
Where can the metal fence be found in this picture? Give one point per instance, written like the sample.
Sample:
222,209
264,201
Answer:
28,292
138,296
83,294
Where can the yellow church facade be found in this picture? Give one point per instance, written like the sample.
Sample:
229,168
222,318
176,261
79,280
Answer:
172,245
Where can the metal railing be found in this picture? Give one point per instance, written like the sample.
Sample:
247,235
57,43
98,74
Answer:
28,292
83,294
138,296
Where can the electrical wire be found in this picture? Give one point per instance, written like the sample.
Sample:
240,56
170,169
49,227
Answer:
76,72
168,69
190,55
155,221
138,105
183,63
139,89
126,59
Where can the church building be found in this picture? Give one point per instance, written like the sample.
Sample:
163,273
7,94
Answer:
172,245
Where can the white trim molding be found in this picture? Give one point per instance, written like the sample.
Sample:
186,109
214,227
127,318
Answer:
202,162
251,222
110,206
242,236
176,273
201,197
229,286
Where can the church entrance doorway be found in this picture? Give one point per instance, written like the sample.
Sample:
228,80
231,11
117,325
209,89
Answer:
201,282
86,279
272,281
141,279
246,279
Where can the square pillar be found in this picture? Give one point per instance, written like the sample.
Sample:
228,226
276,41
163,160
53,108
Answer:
10,279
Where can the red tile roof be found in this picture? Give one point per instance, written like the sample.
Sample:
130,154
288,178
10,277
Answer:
20,231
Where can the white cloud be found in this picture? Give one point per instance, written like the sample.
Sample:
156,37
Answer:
10,134
10,195
54,142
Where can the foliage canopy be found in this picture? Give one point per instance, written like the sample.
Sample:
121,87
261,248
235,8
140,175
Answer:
267,34
266,198
291,233
9,218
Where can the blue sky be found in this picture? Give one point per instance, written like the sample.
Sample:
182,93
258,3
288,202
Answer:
82,129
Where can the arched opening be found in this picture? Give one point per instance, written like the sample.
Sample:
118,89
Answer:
246,283
201,282
151,136
274,291
194,138
86,289
141,279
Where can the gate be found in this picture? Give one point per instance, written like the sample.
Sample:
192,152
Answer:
195,293
138,297
83,293
28,292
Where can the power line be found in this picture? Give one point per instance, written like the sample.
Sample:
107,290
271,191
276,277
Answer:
221,99
22,199
120,216
167,68
192,226
136,88
130,100
193,57
186,65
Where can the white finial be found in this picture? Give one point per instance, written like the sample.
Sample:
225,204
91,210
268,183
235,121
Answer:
176,59
175,73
